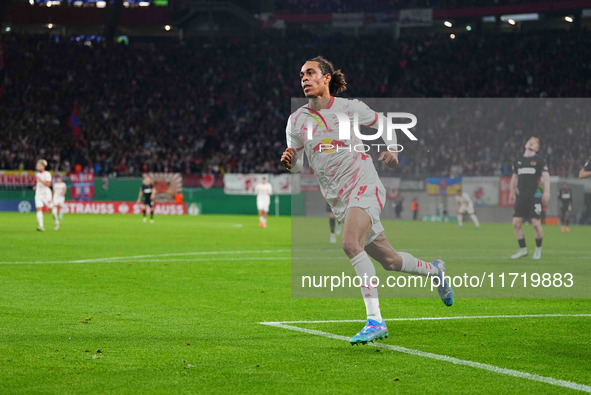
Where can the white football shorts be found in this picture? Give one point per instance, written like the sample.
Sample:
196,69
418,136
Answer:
263,204
43,200
371,199
465,208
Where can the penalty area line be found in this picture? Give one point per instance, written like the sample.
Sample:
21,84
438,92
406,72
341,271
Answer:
445,358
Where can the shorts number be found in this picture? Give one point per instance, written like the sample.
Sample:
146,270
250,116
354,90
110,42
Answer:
538,208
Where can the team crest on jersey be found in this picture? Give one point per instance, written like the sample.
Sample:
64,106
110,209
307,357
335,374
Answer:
533,163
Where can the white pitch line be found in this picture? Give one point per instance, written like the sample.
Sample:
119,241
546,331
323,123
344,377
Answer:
253,258
133,257
468,317
445,358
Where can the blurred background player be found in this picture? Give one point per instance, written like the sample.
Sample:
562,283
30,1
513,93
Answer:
586,170
335,226
59,198
565,197
465,205
530,187
414,207
398,208
264,190
42,191
146,197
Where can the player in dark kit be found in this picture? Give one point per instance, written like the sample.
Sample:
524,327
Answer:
146,197
530,188
565,196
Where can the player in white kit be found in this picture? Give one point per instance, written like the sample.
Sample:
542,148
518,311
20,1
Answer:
264,190
59,199
350,185
465,205
42,191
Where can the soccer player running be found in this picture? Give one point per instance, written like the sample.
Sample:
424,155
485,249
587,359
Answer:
529,189
565,197
350,185
264,190
146,197
586,170
465,205
59,198
42,191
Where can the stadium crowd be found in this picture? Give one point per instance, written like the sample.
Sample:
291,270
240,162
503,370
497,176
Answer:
352,6
218,107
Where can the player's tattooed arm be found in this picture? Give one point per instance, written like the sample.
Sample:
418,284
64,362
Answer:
584,173
139,196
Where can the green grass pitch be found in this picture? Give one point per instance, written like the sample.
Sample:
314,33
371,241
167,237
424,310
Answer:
109,304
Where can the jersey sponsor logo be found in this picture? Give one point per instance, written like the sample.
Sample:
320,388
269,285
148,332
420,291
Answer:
526,170
328,145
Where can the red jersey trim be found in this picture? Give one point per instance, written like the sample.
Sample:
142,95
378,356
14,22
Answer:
374,121
379,201
330,103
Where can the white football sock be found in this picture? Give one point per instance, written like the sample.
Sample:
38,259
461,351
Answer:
410,264
475,220
365,269
460,219
261,219
54,213
40,218
264,220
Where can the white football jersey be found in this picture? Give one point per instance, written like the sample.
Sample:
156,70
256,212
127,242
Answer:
464,200
338,167
263,190
42,189
59,189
